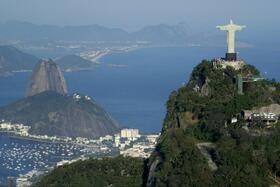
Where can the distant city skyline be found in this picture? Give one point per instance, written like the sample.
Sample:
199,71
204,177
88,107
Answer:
134,14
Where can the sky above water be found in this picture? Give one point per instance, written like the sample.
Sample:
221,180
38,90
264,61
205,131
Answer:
134,14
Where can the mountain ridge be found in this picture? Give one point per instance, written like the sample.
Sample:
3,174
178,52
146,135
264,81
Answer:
12,59
93,32
205,140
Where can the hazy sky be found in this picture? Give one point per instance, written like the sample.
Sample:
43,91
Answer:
133,14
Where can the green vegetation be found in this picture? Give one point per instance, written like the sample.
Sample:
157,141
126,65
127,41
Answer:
180,162
12,59
74,63
117,172
50,113
202,111
221,102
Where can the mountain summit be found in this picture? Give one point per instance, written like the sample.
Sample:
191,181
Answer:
46,77
221,129
48,110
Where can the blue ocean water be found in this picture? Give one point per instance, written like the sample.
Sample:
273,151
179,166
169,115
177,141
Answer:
135,94
19,156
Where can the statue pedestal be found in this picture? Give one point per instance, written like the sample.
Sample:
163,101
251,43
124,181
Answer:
231,57
223,63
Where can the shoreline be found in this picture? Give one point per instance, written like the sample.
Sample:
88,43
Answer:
145,47
12,135
97,60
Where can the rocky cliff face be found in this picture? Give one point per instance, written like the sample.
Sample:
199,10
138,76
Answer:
46,77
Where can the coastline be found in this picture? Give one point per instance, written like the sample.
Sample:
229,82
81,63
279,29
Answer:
97,59
16,136
12,135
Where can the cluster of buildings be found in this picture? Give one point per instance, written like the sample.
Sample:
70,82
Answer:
78,97
142,148
129,142
18,129
95,54
23,131
268,114
132,144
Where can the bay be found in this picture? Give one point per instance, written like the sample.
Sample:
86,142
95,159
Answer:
135,86
132,86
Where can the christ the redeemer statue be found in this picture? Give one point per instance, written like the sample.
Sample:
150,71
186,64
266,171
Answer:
231,29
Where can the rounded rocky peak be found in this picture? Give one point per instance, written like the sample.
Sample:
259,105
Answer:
47,62
46,76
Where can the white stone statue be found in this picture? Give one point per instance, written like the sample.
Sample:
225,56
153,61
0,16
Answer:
231,29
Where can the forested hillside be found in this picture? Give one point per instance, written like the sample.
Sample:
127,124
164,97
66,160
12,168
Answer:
199,120
205,140
119,172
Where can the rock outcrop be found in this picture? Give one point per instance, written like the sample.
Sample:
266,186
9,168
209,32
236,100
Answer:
46,77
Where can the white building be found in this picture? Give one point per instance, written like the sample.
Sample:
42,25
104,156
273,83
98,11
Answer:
106,138
152,138
117,141
129,133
